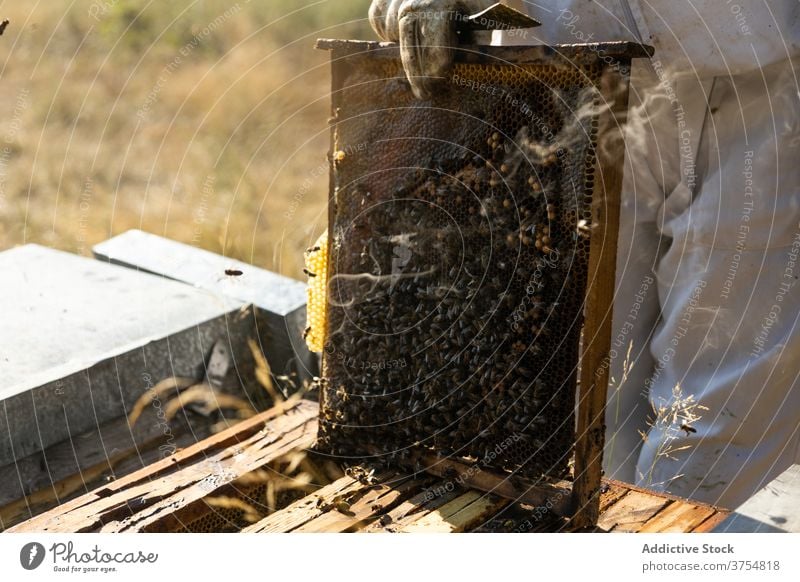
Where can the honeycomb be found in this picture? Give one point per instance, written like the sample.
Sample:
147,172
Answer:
316,306
225,520
459,245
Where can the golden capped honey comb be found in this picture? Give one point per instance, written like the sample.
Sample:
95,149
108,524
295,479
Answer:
458,261
316,307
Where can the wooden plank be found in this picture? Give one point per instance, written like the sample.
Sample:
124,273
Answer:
476,513
717,514
712,523
631,512
382,509
415,508
86,480
667,496
305,509
613,493
374,502
597,330
574,53
447,509
464,512
199,469
557,497
200,450
538,521
323,510
677,517
331,522
178,499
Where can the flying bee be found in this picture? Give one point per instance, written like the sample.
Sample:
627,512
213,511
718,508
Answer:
689,430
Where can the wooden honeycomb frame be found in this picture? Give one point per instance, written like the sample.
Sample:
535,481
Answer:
611,65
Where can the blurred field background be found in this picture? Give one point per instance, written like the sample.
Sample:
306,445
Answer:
201,120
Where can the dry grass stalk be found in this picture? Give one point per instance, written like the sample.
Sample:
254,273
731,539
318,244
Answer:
155,393
264,377
249,513
210,401
670,419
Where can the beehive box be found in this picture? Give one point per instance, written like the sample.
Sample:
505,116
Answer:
461,232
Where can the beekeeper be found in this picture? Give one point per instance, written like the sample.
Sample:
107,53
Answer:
707,304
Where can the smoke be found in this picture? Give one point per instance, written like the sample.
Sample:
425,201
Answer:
352,286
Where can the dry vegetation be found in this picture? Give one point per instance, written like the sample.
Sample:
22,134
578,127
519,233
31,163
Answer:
201,120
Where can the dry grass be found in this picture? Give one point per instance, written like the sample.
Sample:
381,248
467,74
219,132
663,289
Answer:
272,487
204,121
670,418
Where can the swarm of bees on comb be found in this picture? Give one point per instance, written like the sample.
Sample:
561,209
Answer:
454,288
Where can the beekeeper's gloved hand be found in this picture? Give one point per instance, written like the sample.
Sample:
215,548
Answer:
426,31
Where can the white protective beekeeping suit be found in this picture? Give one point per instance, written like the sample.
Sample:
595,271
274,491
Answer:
706,323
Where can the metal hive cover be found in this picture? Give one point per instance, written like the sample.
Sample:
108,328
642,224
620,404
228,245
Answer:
459,233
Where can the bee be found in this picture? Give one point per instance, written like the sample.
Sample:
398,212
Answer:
233,272
689,430
344,508
309,273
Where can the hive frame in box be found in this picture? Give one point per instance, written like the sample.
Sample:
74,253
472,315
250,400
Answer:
613,84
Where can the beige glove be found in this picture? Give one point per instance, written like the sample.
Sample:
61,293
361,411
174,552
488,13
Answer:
426,31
